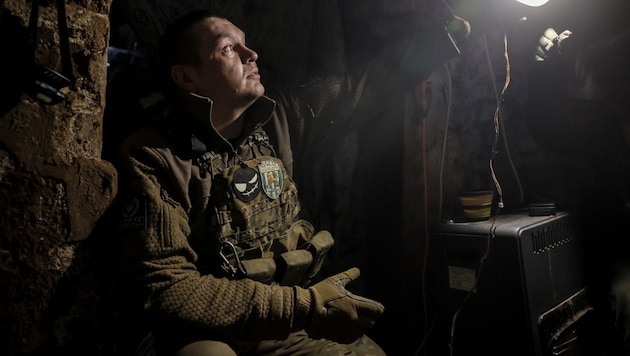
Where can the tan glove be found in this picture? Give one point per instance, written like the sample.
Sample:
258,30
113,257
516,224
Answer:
327,310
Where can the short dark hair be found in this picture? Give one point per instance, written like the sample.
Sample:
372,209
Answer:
179,45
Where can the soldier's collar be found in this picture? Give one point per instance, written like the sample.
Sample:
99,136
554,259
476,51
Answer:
256,116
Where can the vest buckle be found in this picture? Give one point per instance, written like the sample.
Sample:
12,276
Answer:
236,269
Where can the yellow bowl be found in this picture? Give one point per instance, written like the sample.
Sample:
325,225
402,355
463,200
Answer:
476,198
478,212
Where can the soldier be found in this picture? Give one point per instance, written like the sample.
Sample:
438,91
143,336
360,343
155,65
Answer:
216,256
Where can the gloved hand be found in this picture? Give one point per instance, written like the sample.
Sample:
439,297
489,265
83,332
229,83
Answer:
334,313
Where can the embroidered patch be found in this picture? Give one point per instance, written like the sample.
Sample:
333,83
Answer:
246,184
271,176
134,214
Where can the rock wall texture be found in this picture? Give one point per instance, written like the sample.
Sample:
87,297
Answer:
53,184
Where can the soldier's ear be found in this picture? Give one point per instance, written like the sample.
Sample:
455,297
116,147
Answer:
184,77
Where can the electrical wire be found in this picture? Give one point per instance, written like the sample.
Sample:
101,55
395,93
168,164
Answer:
426,337
486,253
423,127
426,223
497,129
504,135
516,175
444,141
500,204
420,101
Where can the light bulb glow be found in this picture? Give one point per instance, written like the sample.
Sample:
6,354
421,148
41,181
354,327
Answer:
533,3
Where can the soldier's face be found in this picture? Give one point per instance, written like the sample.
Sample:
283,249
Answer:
227,72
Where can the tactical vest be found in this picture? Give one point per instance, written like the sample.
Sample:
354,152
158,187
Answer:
253,219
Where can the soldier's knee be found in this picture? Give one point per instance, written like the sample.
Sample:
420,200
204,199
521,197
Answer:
206,348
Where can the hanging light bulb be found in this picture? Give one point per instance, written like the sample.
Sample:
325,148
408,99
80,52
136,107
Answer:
533,3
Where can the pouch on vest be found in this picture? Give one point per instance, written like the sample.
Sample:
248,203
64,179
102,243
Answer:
292,266
299,233
319,245
260,269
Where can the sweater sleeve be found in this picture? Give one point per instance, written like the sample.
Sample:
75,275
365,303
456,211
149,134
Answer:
158,263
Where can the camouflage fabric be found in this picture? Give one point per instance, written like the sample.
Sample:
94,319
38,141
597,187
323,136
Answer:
298,343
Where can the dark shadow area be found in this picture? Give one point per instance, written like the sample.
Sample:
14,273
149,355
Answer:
15,63
130,78
87,303
605,224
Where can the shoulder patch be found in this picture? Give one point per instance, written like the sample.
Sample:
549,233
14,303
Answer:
133,214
